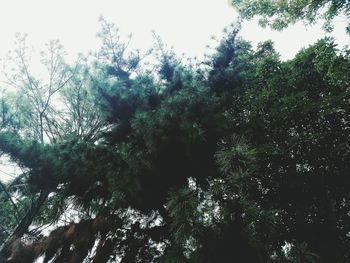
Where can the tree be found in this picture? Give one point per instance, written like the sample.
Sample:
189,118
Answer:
45,110
297,121
280,14
37,93
244,159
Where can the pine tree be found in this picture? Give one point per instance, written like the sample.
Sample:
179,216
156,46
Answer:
227,162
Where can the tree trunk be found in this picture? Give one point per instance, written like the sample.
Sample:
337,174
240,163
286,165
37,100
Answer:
41,128
22,227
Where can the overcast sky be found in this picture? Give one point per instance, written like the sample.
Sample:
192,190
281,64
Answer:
187,25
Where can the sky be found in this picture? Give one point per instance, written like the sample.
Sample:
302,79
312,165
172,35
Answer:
186,25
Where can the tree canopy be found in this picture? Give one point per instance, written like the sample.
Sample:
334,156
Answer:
280,14
241,158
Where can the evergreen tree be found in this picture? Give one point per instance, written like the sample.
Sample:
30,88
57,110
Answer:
244,159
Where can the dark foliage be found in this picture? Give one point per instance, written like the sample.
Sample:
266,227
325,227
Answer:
246,161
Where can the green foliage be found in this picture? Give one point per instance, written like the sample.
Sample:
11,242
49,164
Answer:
245,159
298,125
280,14
12,207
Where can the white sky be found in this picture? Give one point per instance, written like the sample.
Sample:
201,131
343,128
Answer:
187,25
